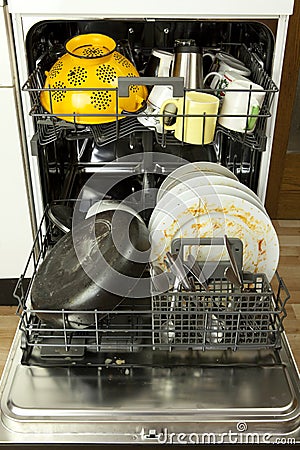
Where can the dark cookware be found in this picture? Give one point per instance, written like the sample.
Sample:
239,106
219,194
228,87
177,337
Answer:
61,216
108,244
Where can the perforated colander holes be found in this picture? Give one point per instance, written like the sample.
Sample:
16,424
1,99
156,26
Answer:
118,57
91,52
122,60
58,96
55,69
101,100
133,87
77,76
106,73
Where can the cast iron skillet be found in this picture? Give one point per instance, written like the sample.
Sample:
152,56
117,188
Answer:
63,282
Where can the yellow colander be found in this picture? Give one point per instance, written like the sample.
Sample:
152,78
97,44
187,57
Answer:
81,85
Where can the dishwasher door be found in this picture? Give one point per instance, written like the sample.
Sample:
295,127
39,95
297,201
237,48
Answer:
211,397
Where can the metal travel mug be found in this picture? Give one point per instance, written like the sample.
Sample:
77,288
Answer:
188,63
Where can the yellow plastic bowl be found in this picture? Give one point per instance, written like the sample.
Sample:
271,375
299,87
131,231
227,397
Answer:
82,85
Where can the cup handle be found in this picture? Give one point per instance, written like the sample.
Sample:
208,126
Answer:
210,74
211,55
171,101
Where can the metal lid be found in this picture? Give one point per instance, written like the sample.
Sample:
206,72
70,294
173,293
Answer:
186,46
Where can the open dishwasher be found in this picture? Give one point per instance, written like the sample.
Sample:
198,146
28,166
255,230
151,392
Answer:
204,361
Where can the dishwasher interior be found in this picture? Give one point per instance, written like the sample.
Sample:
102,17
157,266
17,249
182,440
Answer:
144,371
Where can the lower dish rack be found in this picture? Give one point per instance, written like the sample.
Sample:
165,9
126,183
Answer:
220,318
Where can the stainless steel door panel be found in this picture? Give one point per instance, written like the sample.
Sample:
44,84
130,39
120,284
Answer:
60,393
114,407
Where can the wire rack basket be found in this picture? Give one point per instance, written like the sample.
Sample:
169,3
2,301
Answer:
50,128
221,318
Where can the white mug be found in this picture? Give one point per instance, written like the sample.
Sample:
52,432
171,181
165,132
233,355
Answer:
150,117
223,62
224,80
241,106
159,64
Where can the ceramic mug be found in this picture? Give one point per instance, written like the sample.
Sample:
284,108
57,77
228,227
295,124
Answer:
195,119
150,117
241,106
223,62
224,80
159,64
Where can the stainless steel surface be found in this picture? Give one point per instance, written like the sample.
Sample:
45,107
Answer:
231,276
196,271
176,266
188,64
159,279
233,261
203,392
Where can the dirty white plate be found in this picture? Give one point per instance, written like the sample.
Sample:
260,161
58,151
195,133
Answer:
200,176
214,217
191,180
199,167
107,205
184,191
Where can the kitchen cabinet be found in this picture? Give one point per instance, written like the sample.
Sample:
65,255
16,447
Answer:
283,194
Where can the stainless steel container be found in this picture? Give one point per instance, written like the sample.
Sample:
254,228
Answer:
188,63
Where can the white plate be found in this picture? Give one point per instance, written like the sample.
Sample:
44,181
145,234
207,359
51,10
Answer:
204,185
108,205
198,191
201,167
209,179
226,215
192,180
201,176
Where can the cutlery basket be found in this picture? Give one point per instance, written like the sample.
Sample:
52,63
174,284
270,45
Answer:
221,318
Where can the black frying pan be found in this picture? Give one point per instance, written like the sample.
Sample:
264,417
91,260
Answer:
65,281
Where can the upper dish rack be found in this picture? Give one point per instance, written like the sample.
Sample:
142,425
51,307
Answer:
49,128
